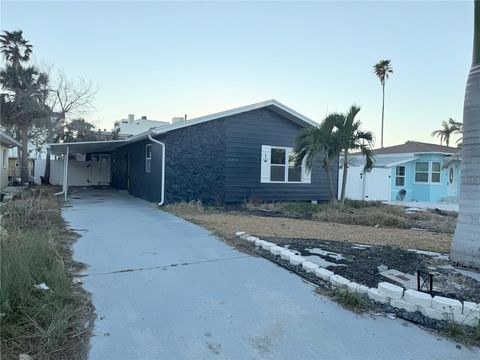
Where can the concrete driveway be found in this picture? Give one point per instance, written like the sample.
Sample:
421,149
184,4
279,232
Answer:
164,288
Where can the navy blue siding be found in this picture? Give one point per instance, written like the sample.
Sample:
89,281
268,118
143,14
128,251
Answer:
245,135
195,163
141,184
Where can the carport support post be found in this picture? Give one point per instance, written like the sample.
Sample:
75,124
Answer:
65,174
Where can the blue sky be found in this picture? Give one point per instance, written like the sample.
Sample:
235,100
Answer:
165,59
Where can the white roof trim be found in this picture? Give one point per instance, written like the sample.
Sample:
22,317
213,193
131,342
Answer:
401,162
170,127
202,119
5,139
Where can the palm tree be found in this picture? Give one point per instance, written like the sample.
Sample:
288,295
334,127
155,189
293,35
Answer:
23,104
465,248
448,128
337,133
382,69
15,48
458,130
319,141
350,137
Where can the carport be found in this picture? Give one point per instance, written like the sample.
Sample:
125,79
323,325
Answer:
82,152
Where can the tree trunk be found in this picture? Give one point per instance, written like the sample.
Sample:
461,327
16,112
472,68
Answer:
330,183
466,240
24,173
344,178
46,176
383,109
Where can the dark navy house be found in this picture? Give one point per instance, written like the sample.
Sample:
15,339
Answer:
226,157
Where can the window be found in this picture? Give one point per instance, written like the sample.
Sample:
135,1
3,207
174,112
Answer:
278,166
421,171
428,172
435,176
148,158
400,176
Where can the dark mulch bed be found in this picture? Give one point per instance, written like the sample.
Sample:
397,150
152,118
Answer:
361,265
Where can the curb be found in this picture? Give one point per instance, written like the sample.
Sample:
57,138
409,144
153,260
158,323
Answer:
405,300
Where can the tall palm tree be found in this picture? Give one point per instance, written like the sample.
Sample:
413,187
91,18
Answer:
319,143
350,137
458,130
15,48
382,69
465,248
448,129
24,103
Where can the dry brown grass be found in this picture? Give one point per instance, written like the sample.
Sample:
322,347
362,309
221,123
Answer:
227,224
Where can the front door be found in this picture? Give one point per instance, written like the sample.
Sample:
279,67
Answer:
452,182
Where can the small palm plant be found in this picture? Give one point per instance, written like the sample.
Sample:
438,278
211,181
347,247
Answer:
351,137
336,134
320,141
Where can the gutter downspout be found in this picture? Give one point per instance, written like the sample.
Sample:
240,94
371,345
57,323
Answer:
162,195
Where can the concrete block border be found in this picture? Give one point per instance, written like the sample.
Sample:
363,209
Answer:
437,308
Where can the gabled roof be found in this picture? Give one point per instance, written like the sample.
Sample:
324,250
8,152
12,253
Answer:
8,141
100,146
415,147
271,104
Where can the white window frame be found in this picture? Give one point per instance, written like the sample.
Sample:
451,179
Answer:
429,173
148,158
397,176
439,172
305,177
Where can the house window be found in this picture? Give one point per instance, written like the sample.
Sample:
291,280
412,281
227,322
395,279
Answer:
148,158
421,172
279,167
400,176
435,176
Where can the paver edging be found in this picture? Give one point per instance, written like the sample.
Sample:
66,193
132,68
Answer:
425,314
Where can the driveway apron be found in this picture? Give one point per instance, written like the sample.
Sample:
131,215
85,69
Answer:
164,288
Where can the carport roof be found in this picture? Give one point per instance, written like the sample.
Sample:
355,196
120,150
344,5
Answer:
87,146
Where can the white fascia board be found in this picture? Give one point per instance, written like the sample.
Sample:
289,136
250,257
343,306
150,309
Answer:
401,162
7,140
202,119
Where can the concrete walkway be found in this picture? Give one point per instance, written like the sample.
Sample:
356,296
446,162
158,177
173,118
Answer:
164,288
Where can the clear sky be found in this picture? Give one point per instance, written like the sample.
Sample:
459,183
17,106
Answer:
165,59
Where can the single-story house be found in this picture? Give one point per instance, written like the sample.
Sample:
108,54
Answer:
6,142
413,171
227,157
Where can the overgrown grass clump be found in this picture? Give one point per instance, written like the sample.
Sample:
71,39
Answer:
35,249
464,334
185,208
351,300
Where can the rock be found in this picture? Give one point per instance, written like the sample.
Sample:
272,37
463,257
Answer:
435,314
24,357
309,267
376,296
418,298
471,308
402,304
339,281
447,305
285,254
382,268
240,233
390,290
296,260
323,274
267,245
41,286
276,250
468,320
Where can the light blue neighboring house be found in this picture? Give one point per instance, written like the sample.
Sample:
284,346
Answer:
413,171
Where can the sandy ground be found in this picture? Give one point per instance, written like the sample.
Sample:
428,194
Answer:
228,224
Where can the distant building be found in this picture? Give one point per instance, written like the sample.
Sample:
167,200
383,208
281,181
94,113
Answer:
131,127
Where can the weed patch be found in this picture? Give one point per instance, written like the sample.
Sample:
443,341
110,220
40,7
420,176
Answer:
45,324
350,300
